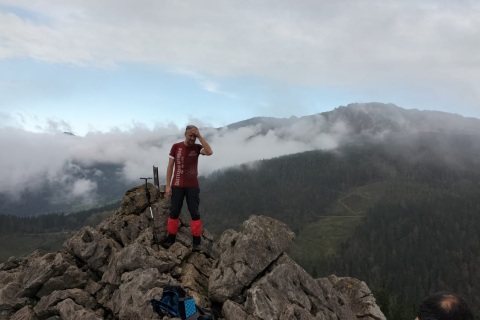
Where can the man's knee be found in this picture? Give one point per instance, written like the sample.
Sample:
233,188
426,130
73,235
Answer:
195,215
174,211
176,203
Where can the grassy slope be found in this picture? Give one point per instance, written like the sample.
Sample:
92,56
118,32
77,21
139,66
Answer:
323,237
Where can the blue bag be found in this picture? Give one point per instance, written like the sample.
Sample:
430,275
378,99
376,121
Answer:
175,302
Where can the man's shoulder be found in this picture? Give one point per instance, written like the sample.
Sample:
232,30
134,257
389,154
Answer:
174,148
177,144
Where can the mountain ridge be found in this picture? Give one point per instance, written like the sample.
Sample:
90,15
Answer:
344,124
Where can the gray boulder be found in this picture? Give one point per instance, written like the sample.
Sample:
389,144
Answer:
358,296
288,291
69,310
49,305
132,299
93,248
136,256
247,254
72,278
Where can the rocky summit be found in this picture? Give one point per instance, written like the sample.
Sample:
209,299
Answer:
114,270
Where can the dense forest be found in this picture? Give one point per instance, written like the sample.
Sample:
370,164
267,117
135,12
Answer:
409,246
402,214
54,222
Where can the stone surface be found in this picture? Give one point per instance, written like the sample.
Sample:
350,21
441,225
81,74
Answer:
69,310
26,313
247,254
92,248
48,305
288,291
114,270
132,299
72,278
358,296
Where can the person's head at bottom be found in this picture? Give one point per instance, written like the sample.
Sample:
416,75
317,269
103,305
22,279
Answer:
444,306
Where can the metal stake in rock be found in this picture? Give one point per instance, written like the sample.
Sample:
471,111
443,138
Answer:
150,207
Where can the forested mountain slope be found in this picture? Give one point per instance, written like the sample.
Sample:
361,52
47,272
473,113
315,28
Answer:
401,212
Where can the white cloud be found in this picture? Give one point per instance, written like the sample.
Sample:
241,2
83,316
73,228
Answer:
33,158
83,188
28,159
214,87
306,41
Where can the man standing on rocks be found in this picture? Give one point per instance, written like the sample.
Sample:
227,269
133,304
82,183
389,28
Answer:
182,183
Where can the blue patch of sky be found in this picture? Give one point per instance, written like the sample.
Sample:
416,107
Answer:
130,93
147,94
25,14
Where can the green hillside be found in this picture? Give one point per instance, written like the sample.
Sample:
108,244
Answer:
401,214
324,237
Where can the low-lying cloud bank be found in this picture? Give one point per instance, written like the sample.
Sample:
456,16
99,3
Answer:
77,164
31,159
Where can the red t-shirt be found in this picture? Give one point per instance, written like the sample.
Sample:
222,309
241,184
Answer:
185,160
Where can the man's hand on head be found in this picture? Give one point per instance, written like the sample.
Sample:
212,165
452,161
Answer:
195,132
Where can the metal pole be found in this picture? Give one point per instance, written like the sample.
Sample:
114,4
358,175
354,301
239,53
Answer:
150,207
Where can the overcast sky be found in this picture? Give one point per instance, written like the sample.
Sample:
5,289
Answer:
85,65
108,70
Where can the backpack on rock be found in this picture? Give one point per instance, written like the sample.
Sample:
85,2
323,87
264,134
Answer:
175,302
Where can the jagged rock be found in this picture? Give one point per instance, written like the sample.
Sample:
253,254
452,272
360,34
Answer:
224,242
232,310
358,296
13,263
48,305
72,278
69,310
92,248
92,287
9,288
246,255
9,296
132,299
336,301
135,200
26,313
39,270
127,229
134,257
194,277
114,270
288,291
